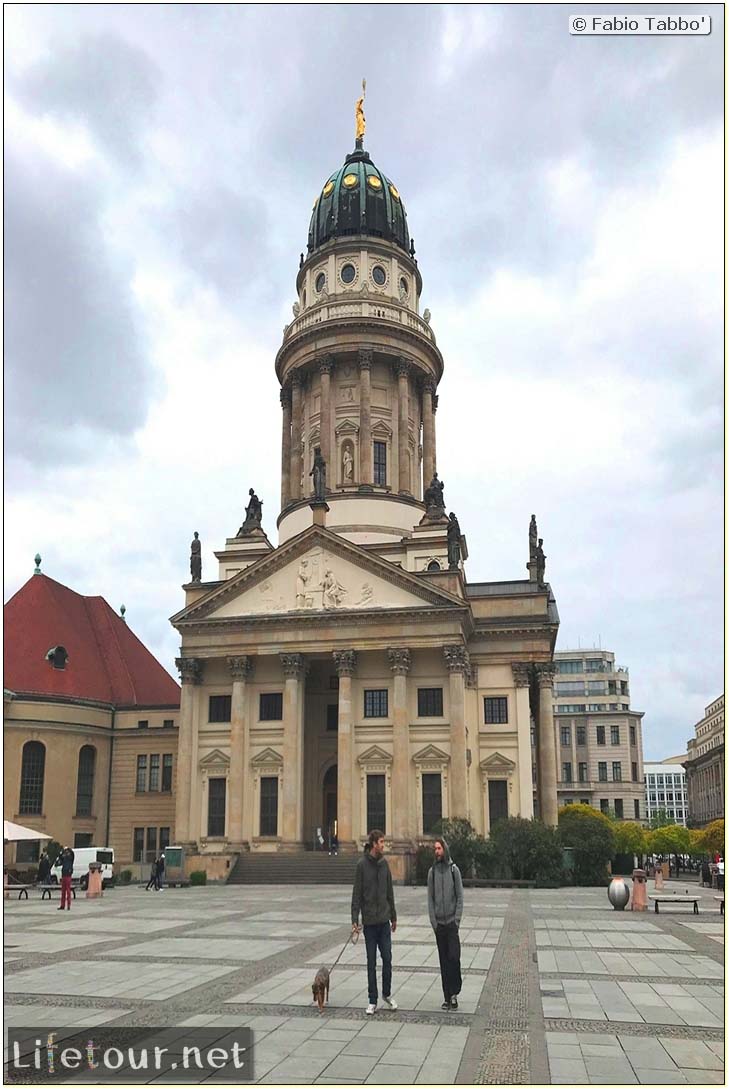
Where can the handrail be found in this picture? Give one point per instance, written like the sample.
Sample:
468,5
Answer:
358,308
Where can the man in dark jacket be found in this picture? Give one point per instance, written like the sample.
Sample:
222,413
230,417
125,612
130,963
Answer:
44,869
67,860
445,908
374,897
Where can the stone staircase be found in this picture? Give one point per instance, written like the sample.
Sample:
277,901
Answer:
300,868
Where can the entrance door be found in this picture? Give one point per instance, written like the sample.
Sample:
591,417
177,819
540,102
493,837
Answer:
330,804
498,802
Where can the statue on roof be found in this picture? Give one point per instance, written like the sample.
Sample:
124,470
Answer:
433,498
319,472
540,561
196,558
533,535
254,513
359,117
454,542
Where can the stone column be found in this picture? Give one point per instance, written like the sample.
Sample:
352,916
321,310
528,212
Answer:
547,772
190,674
326,365
293,770
520,671
401,820
345,661
402,370
296,424
365,416
428,433
457,664
435,452
286,447
241,670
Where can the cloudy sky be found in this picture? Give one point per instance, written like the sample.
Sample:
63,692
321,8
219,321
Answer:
565,196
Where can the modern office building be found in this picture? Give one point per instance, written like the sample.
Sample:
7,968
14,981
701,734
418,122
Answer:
665,789
598,738
704,766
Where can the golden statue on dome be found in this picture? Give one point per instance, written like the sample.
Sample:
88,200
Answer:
359,116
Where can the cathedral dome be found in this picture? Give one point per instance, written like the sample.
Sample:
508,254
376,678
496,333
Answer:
358,199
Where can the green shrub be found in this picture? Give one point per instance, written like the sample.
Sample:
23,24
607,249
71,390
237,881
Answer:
125,877
485,859
198,877
527,850
424,859
592,835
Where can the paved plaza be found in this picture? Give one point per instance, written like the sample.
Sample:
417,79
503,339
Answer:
557,987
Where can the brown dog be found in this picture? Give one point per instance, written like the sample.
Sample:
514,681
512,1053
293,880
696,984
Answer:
320,988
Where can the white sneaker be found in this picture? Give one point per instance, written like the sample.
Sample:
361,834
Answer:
371,1009
390,1002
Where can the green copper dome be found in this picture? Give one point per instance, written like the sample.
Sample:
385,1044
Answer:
358,199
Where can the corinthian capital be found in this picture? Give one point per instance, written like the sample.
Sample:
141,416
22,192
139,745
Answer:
292,665
520,671
456,659
190,670
285,396
345,662
402,367
364,359
428,386
400,660
241,667
545,673
326,364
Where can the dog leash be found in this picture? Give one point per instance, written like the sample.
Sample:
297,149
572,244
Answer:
351,940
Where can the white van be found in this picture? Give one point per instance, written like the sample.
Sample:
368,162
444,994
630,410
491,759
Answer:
81,858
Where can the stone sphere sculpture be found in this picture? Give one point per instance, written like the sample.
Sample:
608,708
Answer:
618,893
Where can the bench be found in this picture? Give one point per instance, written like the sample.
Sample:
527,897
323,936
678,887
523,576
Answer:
22,890
48,889
721,904
676,898
497,883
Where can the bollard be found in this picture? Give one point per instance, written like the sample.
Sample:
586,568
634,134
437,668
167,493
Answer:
639,901
659,878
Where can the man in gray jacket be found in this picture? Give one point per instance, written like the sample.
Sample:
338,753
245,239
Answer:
445,907
373,895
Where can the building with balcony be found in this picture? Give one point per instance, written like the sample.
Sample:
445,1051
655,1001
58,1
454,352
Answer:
598,738
704,766
665,790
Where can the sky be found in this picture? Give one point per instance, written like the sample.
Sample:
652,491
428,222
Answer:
565,195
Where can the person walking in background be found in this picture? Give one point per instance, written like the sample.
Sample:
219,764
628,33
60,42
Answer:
152,883
445,908
67,861
374,897
44,868
159,884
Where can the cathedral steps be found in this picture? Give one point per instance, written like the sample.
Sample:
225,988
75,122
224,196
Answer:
302,868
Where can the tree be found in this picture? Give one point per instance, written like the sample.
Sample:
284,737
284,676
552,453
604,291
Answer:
670,839
592,836
630,838
527,849
461,838
660,819
713,837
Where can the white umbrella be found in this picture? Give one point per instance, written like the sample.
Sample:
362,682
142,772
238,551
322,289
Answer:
13,833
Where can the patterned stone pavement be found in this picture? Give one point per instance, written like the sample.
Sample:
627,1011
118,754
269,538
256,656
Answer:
557,986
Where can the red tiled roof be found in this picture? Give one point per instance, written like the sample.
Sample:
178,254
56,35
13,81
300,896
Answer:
106,661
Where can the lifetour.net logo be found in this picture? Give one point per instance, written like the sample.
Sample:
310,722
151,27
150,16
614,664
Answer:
106,1055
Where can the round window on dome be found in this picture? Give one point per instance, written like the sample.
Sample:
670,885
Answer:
379,275
320,283
327,188
348,272
349,181
394,191
374,182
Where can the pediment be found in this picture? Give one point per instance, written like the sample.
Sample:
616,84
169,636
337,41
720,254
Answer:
268,758
431,754
316,572
347,427
375,755
214,759
497,762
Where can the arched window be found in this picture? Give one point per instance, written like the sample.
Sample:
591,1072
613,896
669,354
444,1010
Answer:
57,656
434,566
85,787
32,773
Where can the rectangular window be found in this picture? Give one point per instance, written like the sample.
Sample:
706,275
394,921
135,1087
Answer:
581,735
430,705
138,845
565,736
569,688
594,665
582,772
151,844
634,771
83,839
168,723
567,772
334,683
570,708
376,802
632,735
216,807
602,772
154,771
612,690
584,801
167,772
270,707
596,688
595,707
495,710
143,724
219,709
618,803
573,666
141,773
380,462
375,703
332,717
269,805
614,735
617,771
600,734
432,802
164,839
604,805
623,688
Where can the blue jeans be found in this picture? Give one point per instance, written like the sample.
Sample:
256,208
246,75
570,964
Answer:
378,935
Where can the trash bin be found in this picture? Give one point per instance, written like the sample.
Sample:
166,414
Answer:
639,900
